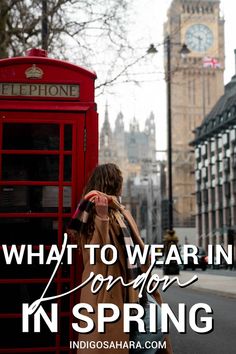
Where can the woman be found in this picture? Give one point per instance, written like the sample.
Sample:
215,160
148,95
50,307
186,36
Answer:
100,219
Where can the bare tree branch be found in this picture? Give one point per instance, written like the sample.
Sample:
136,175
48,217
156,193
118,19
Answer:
89,32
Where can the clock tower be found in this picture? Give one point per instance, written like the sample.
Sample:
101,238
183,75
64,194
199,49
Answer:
196,84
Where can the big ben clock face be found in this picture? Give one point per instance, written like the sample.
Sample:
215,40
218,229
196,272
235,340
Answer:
199,38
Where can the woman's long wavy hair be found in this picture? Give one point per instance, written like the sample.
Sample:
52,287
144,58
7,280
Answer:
106,178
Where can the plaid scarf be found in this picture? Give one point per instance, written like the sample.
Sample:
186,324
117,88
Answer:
80,218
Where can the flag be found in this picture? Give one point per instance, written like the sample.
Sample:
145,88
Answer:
211,63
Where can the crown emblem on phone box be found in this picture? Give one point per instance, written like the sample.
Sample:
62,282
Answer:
34,72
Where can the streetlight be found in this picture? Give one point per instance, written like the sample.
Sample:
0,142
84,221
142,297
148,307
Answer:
170,237
44,25
184,51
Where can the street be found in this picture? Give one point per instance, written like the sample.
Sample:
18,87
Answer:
224,272
223,337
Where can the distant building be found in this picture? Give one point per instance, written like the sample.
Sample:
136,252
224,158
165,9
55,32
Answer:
134,151
127,148
215,172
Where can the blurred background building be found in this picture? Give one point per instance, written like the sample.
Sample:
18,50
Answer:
134,151
215,172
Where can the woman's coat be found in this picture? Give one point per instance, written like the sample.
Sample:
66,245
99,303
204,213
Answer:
107,231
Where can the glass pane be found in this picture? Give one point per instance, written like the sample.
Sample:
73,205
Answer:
67,168
30,136
27,271
68,137
14,198
12,328
30,167
50,198
28,230
36,270
66,199
28,199
65,329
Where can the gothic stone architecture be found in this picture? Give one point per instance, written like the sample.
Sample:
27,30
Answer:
194,89
134,152
128,149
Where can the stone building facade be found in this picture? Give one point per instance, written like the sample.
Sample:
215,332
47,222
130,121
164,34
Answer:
215,172
194,89
134,151
129,149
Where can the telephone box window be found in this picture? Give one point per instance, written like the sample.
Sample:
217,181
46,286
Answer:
43,339
30,136
67,199
14,198
29,199
65,325
67,168
33,231
9,271
68,137
30,167
49,201
13,303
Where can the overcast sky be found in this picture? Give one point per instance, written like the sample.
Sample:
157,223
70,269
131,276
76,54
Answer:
146,26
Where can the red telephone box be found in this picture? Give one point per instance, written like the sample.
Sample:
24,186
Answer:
48,147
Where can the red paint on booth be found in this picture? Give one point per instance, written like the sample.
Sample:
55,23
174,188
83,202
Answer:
48,148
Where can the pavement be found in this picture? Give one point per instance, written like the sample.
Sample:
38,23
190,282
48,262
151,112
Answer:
224,285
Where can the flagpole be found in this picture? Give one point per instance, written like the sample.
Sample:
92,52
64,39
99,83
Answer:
207,63
203,94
